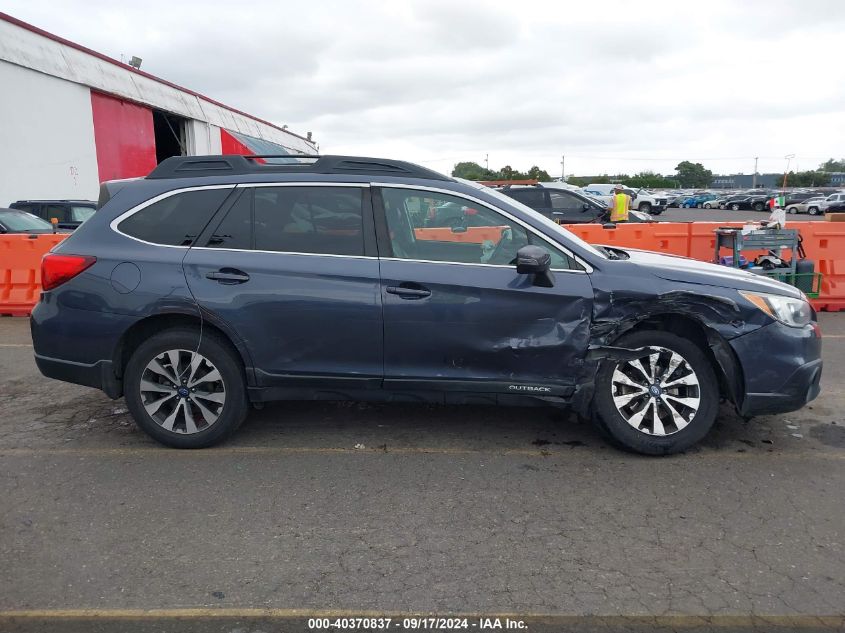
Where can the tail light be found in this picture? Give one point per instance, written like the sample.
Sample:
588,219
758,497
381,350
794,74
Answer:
57,269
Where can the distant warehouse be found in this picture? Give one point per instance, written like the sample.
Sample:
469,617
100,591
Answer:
71,118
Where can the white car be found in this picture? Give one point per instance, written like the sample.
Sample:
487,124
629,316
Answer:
839,196
641,199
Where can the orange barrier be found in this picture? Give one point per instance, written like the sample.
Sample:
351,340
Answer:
473,234
20,270
824,243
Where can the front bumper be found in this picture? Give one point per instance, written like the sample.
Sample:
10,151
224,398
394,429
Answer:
782,368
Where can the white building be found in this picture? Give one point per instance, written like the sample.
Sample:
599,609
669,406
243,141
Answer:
71,118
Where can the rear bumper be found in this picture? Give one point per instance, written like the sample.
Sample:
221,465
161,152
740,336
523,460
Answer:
782,368
76,345
99,375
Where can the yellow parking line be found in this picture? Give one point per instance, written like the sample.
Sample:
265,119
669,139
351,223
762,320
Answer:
678,621
545,451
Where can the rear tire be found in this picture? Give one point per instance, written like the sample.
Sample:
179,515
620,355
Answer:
185,392
707,205
813,210
692,406
792,210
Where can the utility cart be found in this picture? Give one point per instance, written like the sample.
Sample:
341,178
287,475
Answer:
766,239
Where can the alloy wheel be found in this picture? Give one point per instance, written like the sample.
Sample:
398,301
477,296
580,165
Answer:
657,394
182,391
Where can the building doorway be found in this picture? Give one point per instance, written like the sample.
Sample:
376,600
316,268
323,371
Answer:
169,132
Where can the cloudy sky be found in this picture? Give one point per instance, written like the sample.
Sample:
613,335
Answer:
614,86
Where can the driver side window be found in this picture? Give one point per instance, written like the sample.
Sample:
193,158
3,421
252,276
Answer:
436,227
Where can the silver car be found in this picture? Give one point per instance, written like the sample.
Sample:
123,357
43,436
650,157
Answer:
813,206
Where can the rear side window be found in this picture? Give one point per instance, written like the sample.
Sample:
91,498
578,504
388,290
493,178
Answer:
177,220
80,214
58,211
321,220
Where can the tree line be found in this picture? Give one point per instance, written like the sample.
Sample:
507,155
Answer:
687,175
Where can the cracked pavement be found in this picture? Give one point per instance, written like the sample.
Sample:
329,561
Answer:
444,510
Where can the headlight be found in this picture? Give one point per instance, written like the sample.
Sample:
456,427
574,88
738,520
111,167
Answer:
789,311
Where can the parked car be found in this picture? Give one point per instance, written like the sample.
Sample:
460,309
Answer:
697,201
754,202
677,201
567,207
812,206
832,199
69,213
715,203
16,221
194,296
836,207
798,196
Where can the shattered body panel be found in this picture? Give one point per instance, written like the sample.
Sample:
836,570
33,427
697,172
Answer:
652,288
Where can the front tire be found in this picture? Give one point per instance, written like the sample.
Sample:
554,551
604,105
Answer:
185,392
661,403
645,207
734,207
759,206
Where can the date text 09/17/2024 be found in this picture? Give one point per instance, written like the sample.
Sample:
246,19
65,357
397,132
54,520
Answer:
430,623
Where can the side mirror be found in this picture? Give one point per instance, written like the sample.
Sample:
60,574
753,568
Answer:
459,229
533,260
585,207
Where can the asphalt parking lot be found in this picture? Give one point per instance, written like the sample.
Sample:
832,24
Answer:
353,509
726,215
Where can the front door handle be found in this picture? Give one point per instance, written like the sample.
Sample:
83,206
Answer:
408,291
228,276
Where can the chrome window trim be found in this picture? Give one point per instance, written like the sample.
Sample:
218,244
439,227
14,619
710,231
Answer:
526,226
162,196
508,266
244,185
253,250
391,259
130,212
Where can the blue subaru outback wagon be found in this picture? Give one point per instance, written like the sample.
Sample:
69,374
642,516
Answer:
220,281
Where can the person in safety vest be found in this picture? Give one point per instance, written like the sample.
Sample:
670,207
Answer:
619,205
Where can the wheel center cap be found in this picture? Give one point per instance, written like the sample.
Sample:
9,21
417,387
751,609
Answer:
183,392
655,391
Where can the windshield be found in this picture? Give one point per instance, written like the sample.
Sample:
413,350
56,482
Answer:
80,214
22,221
553,228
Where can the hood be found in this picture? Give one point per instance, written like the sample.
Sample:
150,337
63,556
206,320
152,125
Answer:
683,269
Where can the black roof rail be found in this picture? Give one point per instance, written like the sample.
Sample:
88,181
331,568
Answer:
236,165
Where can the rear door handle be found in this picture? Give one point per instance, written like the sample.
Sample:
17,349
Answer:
404,292
228,276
